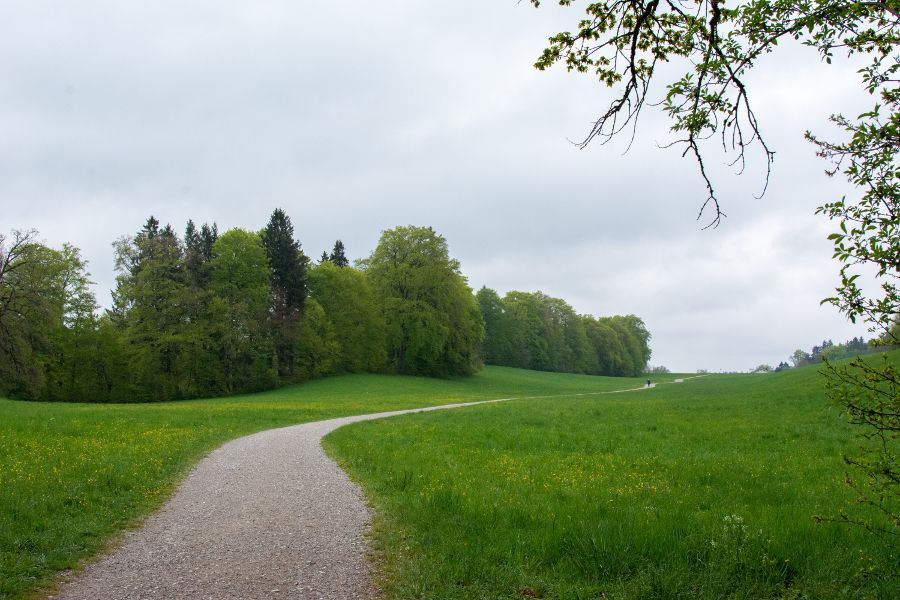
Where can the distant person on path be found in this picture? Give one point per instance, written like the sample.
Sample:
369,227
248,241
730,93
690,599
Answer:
648,383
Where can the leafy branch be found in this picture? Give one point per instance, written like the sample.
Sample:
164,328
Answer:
622,42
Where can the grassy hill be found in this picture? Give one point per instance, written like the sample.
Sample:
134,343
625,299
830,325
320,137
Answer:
705,489
74,475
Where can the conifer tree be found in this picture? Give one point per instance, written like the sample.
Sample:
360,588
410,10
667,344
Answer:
208,237
337,255
288,292
287,261
193,257
198,252
150,229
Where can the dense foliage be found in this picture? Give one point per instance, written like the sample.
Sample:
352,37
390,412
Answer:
346,296
209,315
51,344
535,331
432,321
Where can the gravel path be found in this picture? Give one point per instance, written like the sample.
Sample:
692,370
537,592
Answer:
264,516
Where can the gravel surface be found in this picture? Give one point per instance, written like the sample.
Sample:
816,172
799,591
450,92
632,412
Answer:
264,516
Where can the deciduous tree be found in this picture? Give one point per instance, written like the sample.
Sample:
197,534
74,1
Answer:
432,321
496,346
48,325
31,314
317,350
241,283
347,298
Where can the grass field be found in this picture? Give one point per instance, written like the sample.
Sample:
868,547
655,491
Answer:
74,475
706,489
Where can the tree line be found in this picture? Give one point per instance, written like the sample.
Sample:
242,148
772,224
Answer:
828,350
536,331
208,314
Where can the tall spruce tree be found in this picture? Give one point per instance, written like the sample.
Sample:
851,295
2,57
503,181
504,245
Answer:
208,237
191,237
337,255
150,229
198,252
287,261
288,293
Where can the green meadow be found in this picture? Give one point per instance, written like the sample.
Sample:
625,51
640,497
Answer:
709,488
73,476
704,489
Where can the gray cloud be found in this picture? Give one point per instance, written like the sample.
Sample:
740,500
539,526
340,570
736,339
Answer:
360,117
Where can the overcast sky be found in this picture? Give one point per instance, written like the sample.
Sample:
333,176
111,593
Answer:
360,116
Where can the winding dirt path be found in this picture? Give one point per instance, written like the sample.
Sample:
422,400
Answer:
269,515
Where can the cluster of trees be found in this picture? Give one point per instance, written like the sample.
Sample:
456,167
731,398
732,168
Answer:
207,314
828,350
536,331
